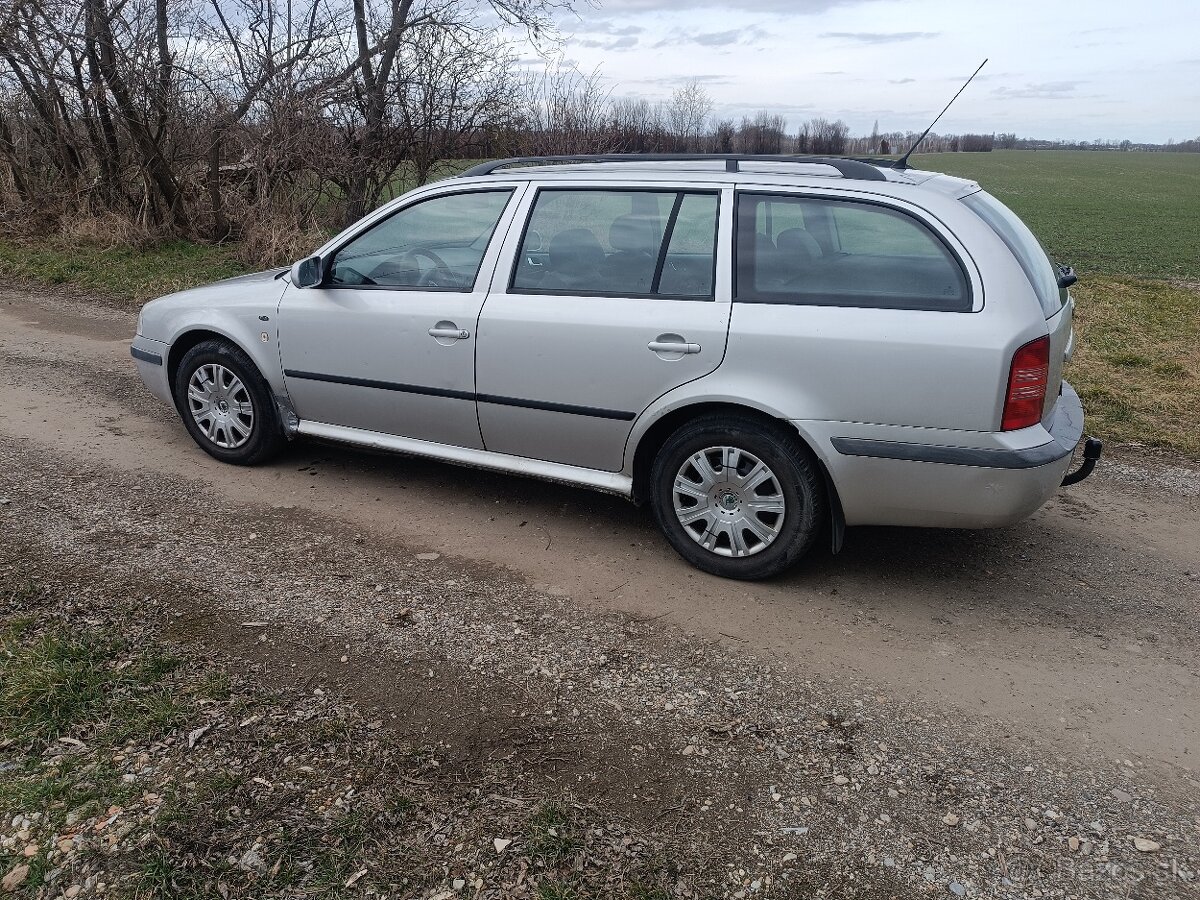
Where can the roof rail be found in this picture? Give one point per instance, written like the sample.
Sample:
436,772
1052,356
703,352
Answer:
849,168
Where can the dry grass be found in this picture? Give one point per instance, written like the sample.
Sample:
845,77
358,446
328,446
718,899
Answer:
278,241
1137,365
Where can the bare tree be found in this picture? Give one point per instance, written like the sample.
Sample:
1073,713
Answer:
765,133
687,114
565,112
826,138
457,87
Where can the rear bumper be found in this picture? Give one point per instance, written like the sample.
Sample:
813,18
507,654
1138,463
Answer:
1066,428
932,478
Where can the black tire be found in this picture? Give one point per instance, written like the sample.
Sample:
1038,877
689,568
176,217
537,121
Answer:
265,438
797,478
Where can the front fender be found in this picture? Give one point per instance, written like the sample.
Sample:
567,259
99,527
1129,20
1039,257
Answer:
255,332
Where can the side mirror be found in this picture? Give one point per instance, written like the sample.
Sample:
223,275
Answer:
307,272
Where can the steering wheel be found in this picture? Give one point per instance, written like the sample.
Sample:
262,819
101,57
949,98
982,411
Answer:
427,278
343,274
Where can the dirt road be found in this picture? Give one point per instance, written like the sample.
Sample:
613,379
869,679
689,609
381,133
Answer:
1053,666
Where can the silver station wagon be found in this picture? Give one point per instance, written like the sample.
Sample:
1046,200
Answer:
763,349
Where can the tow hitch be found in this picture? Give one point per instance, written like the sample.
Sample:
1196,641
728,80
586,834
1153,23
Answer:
1091,455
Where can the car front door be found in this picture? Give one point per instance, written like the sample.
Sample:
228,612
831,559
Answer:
606,300
386,343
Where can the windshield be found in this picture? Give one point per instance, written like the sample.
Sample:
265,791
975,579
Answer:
1039,267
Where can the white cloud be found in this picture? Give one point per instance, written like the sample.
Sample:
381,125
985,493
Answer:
880,37
1127,74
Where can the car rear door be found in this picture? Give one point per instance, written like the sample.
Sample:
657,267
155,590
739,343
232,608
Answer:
605,300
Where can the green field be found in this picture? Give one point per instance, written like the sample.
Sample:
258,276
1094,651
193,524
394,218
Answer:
1103,211
1130,224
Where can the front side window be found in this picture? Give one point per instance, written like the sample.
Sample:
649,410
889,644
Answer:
818,252
435,244
619,243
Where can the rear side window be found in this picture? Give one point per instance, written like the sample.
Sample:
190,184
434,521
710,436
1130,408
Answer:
1034,260
619,243
818,252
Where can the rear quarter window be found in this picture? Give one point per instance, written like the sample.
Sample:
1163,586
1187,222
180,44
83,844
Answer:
1030,254
822,252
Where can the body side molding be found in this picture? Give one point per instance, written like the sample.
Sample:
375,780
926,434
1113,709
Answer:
570,409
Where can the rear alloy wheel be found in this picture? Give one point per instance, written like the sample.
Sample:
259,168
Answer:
736,497
226,405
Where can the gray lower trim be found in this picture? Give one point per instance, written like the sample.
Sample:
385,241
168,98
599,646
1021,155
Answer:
570,409
954,456
1066,429
145,356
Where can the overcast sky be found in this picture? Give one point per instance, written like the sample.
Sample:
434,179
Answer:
1058,69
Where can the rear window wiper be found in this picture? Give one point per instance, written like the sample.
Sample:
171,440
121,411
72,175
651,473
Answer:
1066,276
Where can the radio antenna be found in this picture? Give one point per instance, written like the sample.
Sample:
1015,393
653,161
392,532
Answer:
902,162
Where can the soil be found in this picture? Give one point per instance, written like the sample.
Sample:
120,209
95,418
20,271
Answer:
1010,680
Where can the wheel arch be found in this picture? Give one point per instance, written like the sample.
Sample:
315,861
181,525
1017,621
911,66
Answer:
186,341
189,337
656,434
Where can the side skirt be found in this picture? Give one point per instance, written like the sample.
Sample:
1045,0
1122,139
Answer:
608,482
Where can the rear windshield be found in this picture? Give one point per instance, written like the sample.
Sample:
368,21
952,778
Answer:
1039,268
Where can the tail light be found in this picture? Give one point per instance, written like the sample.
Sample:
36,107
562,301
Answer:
1027,385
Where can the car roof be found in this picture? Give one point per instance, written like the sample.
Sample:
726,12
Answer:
716,169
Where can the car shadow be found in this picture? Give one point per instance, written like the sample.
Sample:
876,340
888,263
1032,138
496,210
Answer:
918,556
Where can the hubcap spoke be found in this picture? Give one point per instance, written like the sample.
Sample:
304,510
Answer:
772,504
688,489
703,467
738,540
759,529
717,500
695,514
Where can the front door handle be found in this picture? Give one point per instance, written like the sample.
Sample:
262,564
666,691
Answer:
673,347
454,333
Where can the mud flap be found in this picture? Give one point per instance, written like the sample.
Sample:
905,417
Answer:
837,518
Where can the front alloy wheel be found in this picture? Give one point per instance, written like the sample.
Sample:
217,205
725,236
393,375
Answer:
221,406
226,404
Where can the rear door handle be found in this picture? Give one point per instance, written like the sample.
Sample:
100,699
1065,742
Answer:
458,334
673,347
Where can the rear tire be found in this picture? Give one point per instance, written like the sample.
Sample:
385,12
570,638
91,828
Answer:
738,497
226,404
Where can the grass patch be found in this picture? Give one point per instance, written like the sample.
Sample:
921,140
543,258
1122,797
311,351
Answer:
1102,212
557,890
49,683
551,835
56,683
1137,362
128,275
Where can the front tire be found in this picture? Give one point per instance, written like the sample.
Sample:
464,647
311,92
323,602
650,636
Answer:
737,497
226,404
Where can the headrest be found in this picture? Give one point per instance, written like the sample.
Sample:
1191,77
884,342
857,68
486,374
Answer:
575,248
799,242
634,234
